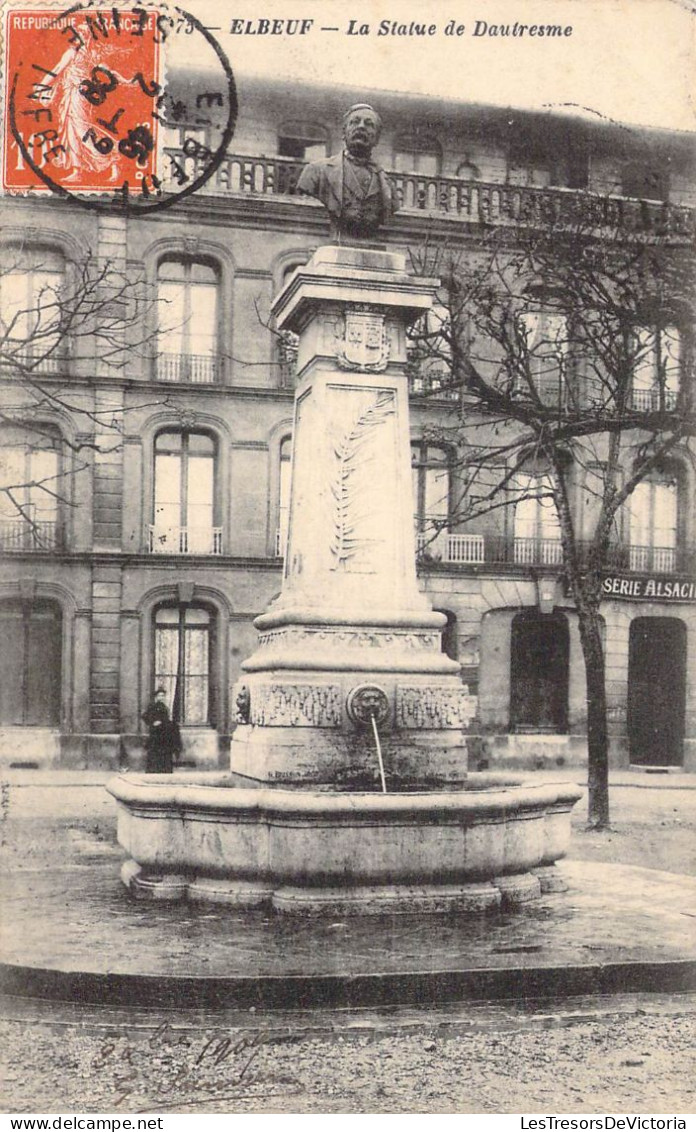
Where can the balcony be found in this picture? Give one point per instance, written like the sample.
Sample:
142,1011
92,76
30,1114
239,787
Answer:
446,547
194,369
185,540
436,387
23,358
654,400
499,551
22,535
479,202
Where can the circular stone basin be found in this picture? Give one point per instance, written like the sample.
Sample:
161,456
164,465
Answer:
472,849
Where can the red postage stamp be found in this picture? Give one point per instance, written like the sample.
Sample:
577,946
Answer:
82,99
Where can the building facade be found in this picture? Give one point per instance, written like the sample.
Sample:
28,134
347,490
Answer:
145,469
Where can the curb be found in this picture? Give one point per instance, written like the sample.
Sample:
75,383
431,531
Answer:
338,991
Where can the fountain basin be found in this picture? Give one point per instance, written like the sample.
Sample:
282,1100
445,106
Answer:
311,851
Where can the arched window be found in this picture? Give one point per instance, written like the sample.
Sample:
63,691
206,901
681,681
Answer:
188,321
183,650
184,508
431,490
30,663
537,531
653,524
31,489
417,153
31,315
283,496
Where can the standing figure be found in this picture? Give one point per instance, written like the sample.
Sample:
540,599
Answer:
356,193
164,737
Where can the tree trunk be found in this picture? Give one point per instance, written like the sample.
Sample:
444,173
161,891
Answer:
597,736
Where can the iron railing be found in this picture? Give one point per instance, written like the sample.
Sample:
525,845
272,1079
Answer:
30,534
505,551
185,540
196,369
654,400
473,201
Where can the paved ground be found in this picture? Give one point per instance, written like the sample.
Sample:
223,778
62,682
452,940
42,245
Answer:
630,1053
616,1056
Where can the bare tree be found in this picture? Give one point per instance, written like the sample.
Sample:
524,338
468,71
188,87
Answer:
571,353
58,324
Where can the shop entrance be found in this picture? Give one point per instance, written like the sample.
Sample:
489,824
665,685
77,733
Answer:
539,662
656,691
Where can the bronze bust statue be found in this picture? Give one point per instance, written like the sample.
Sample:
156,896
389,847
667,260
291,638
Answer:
356,193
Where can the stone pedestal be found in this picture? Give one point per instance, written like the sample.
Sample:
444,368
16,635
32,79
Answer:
350,634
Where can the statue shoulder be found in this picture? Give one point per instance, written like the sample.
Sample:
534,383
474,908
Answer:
316,171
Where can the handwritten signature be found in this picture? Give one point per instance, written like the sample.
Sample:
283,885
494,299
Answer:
132,1066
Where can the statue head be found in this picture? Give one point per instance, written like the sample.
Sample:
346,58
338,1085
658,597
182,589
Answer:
362,126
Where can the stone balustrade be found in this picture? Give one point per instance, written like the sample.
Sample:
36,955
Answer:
479,202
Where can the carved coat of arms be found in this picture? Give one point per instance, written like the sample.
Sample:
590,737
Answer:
363,341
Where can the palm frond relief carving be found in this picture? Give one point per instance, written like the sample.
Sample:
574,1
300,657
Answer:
346,487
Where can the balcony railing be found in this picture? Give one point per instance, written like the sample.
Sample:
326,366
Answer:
652,559
445,547
27,535
18,357
654,400
185,540
436,387
499,550
473,201
197,369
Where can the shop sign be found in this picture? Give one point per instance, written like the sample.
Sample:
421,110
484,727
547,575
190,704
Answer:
647,589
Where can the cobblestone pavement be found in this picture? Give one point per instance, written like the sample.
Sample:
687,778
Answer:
632,1055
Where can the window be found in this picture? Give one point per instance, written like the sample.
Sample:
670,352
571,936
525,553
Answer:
653,512
284,497
183,661
431,492
545,342
29,493
305,141
188,298
30,663
184,497
287,341
414,154
537,532
429,355
30,312
657,369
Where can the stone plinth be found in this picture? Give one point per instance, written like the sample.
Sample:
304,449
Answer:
309,851
350,612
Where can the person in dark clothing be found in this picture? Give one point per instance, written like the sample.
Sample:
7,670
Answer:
164,738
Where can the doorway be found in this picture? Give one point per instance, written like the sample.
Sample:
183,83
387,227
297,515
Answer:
539,669
656,691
